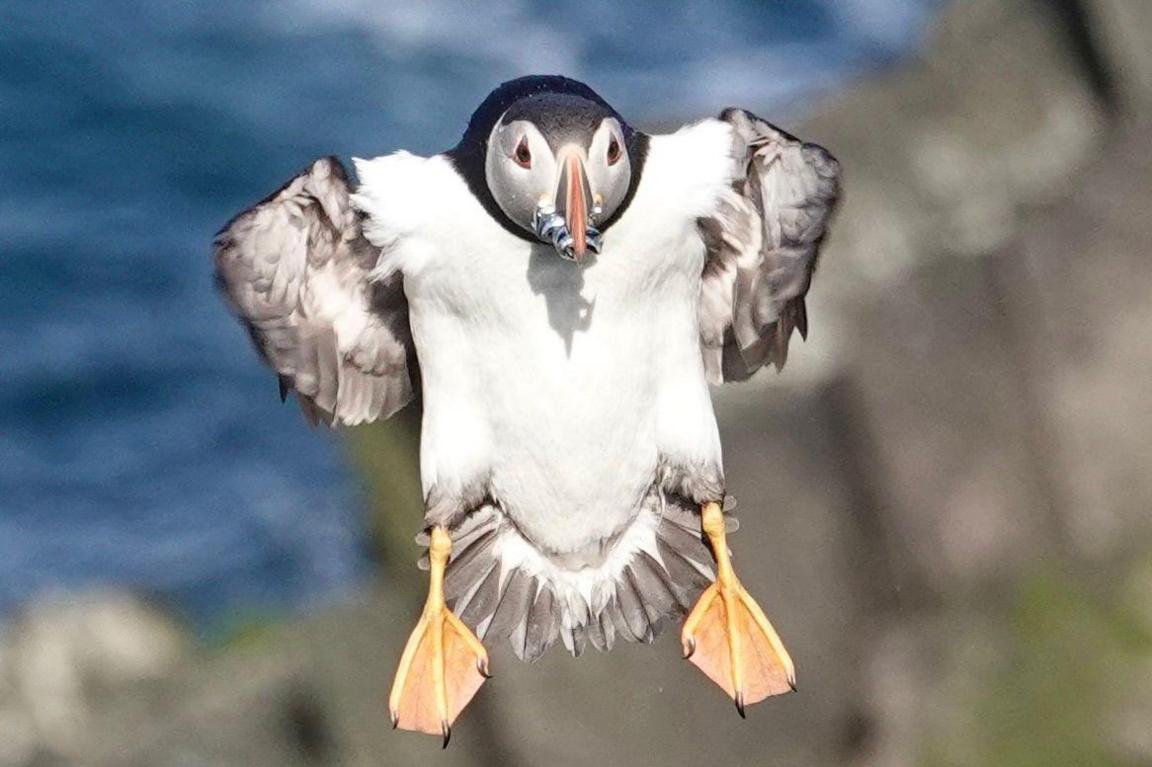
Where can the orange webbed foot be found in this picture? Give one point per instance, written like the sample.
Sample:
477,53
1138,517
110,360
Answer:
443,664
727,635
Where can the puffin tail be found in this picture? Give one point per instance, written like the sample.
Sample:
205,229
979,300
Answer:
501,586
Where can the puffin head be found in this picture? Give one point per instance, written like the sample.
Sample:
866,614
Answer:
559,165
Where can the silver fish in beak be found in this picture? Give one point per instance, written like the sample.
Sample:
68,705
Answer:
567,221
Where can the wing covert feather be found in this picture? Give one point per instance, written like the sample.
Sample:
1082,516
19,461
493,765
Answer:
763,241
297,272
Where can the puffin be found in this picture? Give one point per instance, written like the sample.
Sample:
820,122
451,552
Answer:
560,290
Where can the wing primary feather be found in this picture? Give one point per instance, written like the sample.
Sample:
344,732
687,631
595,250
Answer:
296,270
763,242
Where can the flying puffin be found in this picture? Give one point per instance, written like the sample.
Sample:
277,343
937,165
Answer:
561,289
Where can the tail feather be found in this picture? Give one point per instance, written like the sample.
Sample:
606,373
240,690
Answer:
574,638
541,625
601,629
475,607
638,622
685,576
517,596
472,564
652,573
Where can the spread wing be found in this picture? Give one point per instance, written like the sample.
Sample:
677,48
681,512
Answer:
763,240
297,272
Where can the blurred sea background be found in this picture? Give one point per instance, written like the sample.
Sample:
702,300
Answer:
141,443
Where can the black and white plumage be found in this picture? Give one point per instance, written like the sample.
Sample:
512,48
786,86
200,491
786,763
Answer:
568,436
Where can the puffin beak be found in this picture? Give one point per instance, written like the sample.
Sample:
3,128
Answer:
574,200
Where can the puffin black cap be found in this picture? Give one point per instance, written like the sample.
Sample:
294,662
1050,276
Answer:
562,117
563,109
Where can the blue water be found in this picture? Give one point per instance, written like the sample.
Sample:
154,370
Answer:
141,443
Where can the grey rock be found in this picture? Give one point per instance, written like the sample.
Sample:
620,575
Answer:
62,655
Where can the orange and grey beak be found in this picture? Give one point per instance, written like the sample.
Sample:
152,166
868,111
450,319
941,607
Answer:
574,201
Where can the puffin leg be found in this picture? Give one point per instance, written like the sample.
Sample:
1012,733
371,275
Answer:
443,664
727,635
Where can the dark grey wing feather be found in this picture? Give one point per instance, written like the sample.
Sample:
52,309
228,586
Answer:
763,240
297,272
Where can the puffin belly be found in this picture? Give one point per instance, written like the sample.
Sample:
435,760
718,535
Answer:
579,543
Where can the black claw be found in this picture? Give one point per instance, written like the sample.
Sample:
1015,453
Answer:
447,733
483,669
740,705
395,720
792,684
691,648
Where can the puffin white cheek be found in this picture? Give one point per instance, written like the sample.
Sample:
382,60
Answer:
609,188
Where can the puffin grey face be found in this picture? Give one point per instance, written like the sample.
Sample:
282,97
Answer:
557,167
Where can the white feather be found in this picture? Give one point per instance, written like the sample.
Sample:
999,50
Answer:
563,385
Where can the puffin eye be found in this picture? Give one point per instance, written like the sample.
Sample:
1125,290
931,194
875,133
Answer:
613,151
522,155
